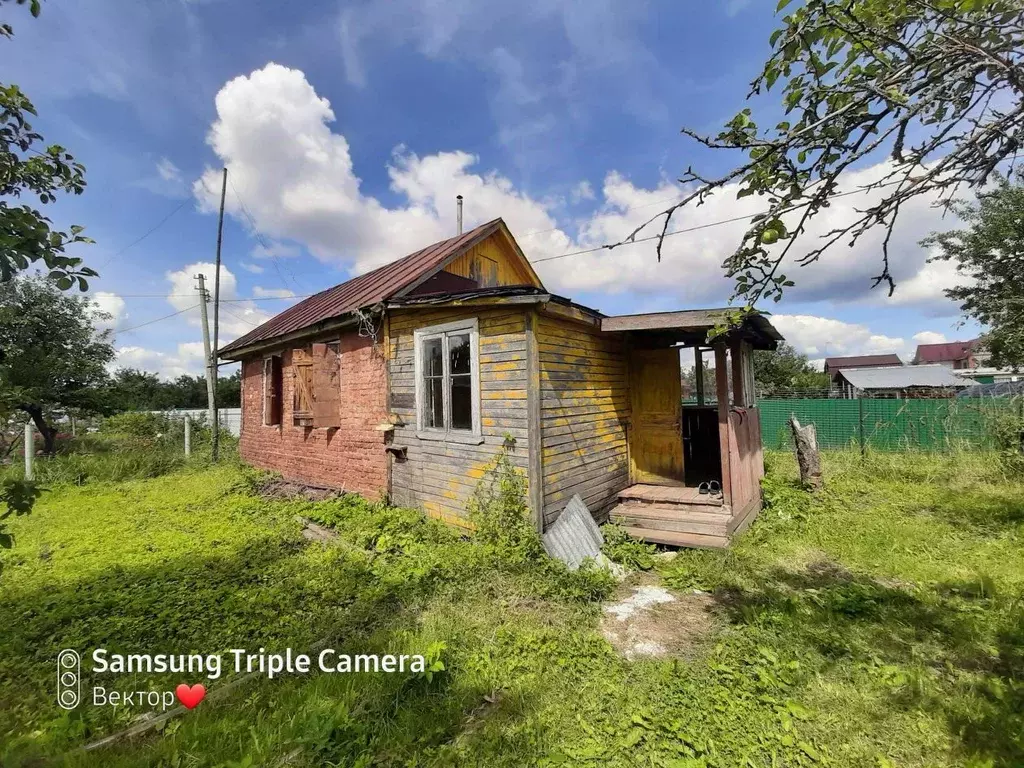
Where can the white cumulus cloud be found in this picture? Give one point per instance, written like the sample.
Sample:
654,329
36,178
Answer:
820,337
298,182
236,316
109,304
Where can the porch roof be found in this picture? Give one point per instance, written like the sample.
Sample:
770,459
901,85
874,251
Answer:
691,326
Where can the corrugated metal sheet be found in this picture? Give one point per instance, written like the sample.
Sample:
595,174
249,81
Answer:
904,377
365,290
574,536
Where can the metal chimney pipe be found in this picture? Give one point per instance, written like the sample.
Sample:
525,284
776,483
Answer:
458,204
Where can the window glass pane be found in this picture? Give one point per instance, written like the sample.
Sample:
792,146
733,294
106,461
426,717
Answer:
462,402
433,358
458,351
433,405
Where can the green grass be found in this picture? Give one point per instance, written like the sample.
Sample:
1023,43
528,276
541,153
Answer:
877,623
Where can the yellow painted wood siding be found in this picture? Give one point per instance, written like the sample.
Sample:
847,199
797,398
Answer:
584,408
491,255
440,477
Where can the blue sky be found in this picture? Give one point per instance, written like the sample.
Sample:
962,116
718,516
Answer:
349,128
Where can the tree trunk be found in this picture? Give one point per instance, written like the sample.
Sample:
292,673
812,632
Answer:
805,439
49,434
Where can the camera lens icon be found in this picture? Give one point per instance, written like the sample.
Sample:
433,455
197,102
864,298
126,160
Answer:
69,678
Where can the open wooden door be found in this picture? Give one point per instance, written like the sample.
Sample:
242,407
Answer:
656,438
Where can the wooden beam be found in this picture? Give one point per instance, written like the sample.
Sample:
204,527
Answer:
739,397
722,392
534,446
698,373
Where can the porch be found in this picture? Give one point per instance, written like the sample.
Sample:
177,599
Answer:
695,468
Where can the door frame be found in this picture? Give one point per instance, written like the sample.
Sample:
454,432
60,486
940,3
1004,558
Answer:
635,474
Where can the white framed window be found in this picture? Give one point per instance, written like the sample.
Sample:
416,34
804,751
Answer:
448,381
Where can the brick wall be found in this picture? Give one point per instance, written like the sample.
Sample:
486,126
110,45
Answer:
349,458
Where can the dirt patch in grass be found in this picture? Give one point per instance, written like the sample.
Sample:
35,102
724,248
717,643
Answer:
645,620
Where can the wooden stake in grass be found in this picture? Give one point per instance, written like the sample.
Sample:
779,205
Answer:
805,440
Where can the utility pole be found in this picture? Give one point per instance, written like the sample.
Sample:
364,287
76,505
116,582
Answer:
211,367
215,416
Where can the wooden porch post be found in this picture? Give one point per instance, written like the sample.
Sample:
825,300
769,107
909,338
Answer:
722,393
739,395
698,373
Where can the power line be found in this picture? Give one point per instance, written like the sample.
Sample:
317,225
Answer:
675,198
190,295
149,232
240,319
259,236
156,320
696,228
649,238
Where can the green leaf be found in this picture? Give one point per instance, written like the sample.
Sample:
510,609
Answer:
782,4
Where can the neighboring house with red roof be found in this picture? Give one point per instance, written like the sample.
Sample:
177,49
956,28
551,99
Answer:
835,364
406,383
953,354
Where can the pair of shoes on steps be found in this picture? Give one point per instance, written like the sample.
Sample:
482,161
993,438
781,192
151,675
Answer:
713,488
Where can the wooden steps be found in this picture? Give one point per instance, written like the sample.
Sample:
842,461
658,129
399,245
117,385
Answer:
669,494
672,517
679,516
672,538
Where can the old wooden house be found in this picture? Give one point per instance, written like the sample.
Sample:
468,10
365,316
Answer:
406,381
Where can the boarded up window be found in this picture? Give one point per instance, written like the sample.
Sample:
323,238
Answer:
272,391
302,392
326,384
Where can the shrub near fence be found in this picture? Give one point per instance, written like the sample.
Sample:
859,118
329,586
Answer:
893,425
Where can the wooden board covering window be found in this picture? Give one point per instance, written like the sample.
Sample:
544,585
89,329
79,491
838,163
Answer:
272,390
326,389
302,398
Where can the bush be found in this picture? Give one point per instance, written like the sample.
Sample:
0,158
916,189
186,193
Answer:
1007,429
499,512
137,424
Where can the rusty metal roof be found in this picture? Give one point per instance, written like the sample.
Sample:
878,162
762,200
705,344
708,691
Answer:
950,351
861,361
365,290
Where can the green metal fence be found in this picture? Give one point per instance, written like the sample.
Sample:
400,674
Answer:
890,425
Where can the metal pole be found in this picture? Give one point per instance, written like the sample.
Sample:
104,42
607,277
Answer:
214,419
210,396
188,435
30,450
860,421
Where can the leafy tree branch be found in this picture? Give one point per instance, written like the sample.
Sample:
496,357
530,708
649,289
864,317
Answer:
931,87
31,170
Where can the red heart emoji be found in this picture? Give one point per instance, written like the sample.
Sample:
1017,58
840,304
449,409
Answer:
190,697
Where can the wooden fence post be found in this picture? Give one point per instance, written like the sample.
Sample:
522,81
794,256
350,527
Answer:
805,440
30,450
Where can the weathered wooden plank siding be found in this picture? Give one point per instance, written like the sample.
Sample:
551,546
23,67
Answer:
440,477
584,409
491,262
